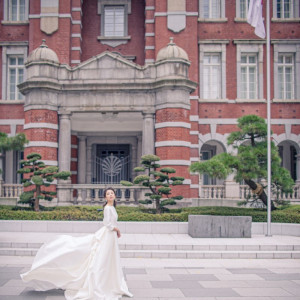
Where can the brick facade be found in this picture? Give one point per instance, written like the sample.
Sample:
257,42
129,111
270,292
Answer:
201,123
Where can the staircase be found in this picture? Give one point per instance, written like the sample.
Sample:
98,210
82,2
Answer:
186,251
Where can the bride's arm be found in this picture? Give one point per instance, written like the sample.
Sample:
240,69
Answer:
107,221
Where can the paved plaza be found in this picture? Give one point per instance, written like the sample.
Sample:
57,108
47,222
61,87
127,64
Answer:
176,278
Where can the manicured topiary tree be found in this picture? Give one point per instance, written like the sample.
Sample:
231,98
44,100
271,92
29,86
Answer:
250,162
37,175
159,182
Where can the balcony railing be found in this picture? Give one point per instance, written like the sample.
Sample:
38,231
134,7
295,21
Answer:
212,192
245,192
10,190
93,194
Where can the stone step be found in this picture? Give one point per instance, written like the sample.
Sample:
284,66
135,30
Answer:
173,254
178,247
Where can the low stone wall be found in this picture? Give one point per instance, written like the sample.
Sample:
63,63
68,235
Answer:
132,227
202,226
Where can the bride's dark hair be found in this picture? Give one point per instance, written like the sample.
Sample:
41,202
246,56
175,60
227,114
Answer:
104,193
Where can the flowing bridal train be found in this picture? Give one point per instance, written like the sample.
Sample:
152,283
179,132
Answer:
87,268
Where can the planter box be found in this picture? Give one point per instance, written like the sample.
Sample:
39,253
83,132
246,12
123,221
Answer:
219,226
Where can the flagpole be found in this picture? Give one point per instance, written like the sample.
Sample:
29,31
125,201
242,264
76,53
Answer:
268,118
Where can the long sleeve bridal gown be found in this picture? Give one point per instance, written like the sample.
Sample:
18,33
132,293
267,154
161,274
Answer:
87,268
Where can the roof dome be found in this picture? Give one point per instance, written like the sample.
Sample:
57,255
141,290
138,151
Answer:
171,51
43,53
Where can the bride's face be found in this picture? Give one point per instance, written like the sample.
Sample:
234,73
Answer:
110,196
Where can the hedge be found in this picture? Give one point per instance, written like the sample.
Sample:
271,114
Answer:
290,214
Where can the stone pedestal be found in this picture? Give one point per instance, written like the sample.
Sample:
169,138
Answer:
219,226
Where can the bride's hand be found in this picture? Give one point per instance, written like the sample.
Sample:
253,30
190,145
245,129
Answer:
117,230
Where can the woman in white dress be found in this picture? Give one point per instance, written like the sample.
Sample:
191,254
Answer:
88,267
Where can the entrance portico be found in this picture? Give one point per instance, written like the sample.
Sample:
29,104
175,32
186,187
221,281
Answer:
107,103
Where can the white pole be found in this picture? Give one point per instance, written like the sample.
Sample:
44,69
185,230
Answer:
269,118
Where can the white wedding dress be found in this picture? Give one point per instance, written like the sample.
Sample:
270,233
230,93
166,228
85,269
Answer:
87,268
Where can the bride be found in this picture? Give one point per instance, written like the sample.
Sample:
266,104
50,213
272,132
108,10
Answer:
88,267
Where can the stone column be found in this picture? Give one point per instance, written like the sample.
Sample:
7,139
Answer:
232,188
64,158
82,160
1,166
64,150
89,164
298,168
139,149
134,162
1,171
9,166
148,134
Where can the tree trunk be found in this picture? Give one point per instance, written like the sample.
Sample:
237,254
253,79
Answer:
158,208
37,200
262,196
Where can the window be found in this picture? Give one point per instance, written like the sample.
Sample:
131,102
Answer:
286,68
114,17
286,76
212,76
15,11
212,9
15,76
114,21
244,5
285,9
212,70
248,76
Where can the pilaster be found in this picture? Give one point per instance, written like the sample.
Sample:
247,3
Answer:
64,151
148,134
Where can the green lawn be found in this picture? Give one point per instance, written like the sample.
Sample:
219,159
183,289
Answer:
290,214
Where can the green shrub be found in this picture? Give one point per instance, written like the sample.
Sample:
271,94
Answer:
289,214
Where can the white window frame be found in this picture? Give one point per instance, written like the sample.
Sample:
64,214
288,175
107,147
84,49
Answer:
7,9
17,68
222,17
218,47
284,66
210,74
103,21
238,11
287,47
247,65
114,41
250,47
8,51
294,9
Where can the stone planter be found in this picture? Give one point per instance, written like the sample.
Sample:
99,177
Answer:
219,226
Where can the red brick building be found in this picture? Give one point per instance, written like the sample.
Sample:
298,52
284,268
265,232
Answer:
109,85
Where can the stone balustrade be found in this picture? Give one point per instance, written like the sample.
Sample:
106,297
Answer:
89,194
245,192
212,192
92,194
11,190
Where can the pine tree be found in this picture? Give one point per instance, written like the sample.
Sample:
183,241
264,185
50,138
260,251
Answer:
250,162
38,175
158,182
